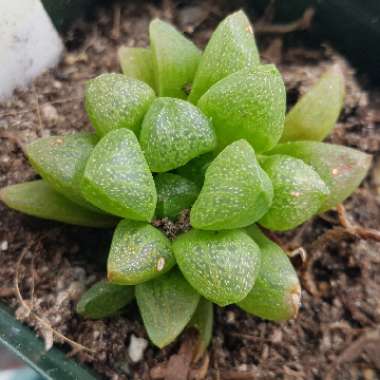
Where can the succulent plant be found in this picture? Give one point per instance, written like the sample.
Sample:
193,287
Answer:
181,129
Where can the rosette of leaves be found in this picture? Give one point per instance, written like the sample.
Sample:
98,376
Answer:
204,131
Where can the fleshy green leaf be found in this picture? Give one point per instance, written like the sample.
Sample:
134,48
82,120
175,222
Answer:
340,167
174,132
174,194
221,265
104,299
117,178
139,252
236,192
38,199
276,294
114,101
315,114
137,63
232,47
175,59
248,104
298,191
60,160
202,321
166,305
195,169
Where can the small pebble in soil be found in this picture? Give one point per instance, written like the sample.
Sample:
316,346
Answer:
230,317
243,367
50,113
136,348
4,245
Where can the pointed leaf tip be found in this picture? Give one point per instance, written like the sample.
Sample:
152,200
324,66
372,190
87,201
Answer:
166,304
117,178
236,191
104,299
232,47
113,101
38,199
314,115
221,265
137,63
340,167
175,59
60,160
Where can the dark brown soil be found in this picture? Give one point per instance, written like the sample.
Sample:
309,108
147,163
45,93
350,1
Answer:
337,332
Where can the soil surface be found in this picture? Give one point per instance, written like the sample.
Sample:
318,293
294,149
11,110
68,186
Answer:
337,332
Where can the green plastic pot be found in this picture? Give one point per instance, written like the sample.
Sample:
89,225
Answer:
24,343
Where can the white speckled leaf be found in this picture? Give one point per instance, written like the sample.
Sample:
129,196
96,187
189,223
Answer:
117,178
341,168
314,115
166,305
115,101
137,63
232,47
104,299
221,265
60,160
175,59
236,191
248,104
276,294
174,194
38,199
139,252
298,192
174,132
